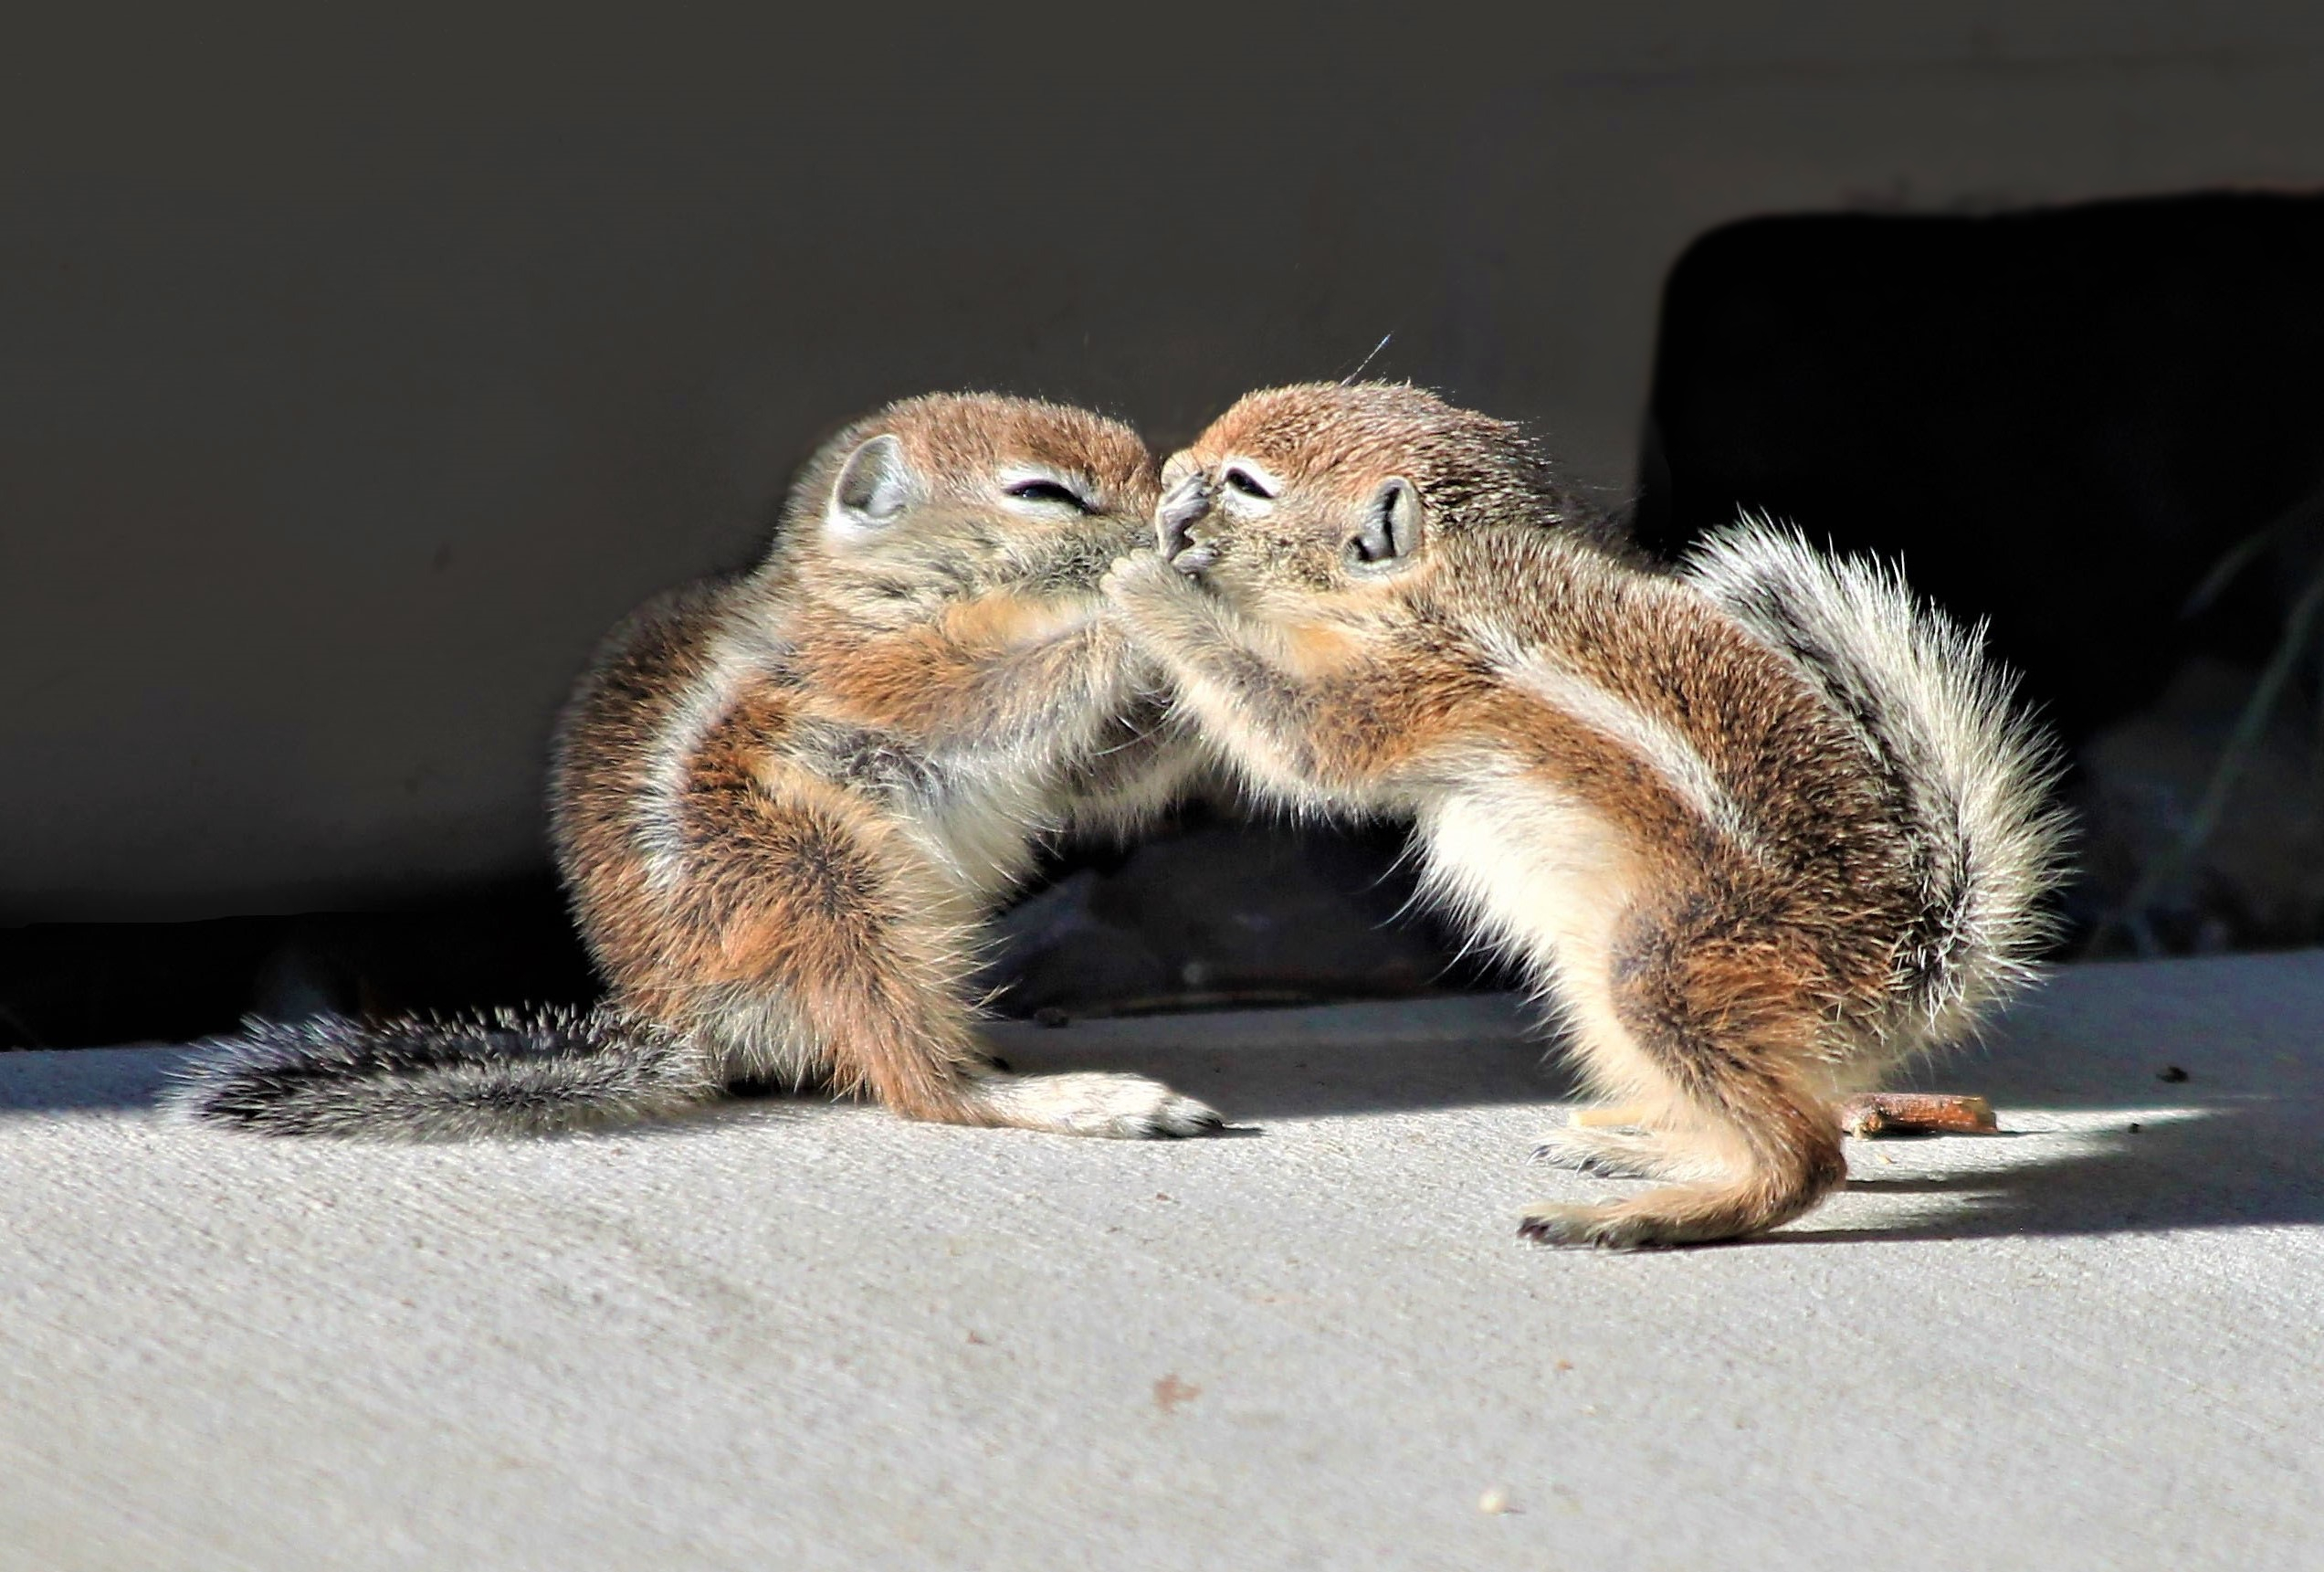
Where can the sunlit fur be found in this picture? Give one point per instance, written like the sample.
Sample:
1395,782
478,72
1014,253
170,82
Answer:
1749,840
784,802
1939,718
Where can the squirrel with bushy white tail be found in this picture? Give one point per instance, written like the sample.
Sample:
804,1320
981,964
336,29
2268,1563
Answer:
1756,830
784,802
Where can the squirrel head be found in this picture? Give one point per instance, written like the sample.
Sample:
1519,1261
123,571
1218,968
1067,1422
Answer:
952,495
1327,489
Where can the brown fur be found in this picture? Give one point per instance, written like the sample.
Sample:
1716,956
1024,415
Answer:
1701,865
783,803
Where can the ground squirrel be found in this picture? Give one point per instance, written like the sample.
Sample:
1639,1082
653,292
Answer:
1755,829
783,803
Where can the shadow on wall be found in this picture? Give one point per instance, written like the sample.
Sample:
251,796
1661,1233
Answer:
86,985
354,387
2061,420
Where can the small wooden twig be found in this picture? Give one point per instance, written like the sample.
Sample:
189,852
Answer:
1917,1113
1868,1113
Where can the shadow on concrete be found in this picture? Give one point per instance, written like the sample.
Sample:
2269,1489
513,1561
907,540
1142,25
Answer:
85,1079
2241,1164
2234,1160
1256,1082
2169,1095
1234,1058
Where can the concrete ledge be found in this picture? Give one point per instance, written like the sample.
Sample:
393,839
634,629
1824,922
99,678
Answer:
792,1336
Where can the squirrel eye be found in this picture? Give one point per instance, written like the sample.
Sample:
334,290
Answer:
1239,479
1050,492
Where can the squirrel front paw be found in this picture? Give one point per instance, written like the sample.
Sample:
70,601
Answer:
1092,1103
1140,578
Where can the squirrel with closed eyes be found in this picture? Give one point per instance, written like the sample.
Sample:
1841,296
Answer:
783,804
1755,830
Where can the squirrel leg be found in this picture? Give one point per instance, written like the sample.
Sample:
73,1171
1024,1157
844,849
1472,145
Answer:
1718,1036
831,948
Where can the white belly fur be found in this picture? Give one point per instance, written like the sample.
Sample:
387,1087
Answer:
1548,880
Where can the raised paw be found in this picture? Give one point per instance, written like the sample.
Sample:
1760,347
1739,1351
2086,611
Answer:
1141,577
1093,1102
1181,506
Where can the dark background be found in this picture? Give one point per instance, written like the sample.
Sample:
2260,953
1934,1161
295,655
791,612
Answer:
2064,420
2061,417
354,379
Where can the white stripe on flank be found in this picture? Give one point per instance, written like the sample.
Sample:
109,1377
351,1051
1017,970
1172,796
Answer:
659,827
1669,754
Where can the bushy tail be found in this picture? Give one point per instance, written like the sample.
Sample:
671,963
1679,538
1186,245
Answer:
423,1078
1942,718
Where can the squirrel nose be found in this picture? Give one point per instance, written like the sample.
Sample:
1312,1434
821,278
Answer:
1187,501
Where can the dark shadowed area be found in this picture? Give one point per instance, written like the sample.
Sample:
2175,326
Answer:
2060,421
355,377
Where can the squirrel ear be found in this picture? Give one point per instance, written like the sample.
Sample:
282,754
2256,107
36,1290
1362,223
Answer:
874,485
1392,527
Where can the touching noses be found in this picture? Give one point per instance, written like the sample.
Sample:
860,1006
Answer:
1174,521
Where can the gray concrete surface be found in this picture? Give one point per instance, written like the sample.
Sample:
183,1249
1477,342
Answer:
795,1336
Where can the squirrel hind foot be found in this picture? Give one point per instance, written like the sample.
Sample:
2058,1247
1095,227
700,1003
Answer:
1703,1213
1623,1226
